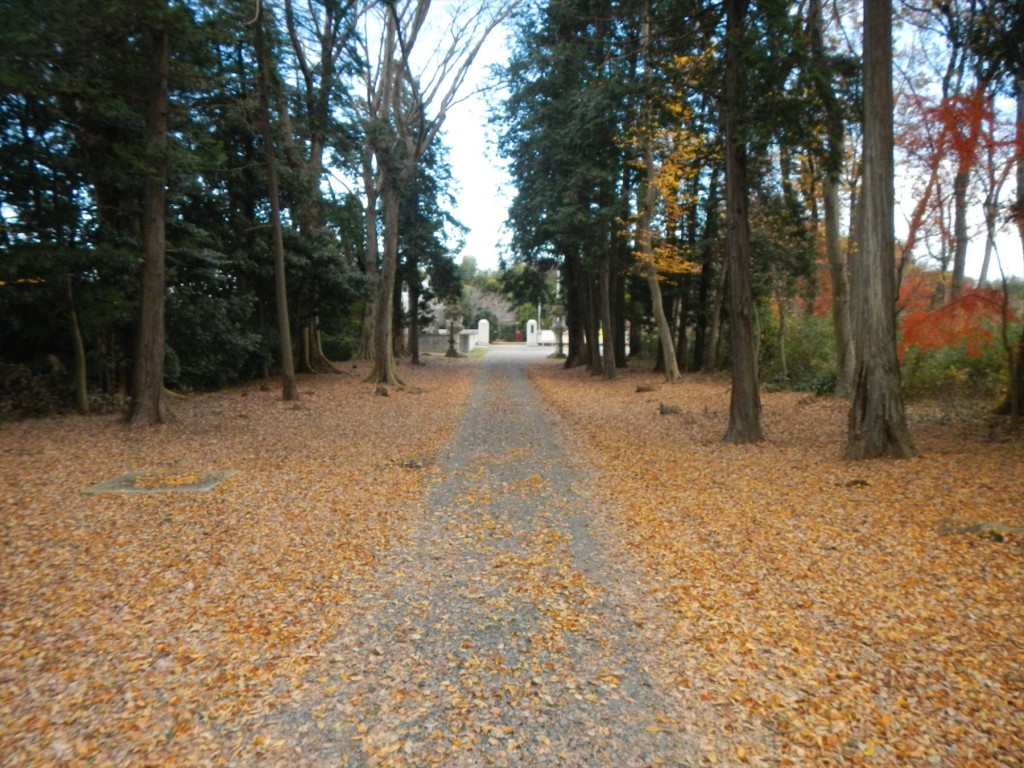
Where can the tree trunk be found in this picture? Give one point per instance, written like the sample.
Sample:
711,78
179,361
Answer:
608,334
305,344
414,318
289,388
991,211
840,287
745,399
781,300
1014,401
635,337
669,364
837,266
318,348
700,329
313,358
707,302
959,231
718,301
576,313
648,198
148,405
1015,395
595,362
383,347
877,420
329,32
1018,212
617,288
370,258
682,337
81,380
398,348
831,182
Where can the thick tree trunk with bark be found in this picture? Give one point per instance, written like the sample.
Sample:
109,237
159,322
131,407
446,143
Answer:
313,358
877,420
576,313
595,362
745,399
383,348
148,405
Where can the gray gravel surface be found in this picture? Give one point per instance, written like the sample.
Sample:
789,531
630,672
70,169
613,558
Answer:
507,628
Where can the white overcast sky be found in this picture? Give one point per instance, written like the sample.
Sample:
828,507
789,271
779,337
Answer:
481,184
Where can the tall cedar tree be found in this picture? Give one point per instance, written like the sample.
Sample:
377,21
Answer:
877,420
148,404
745,399
569,77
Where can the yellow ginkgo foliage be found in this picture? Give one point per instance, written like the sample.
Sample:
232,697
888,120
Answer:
671,158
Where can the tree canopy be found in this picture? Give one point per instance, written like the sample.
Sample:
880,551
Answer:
647,193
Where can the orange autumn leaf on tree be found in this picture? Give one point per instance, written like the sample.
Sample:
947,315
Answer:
969,322
952,127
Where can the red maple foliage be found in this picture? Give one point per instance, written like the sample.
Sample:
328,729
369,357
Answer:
968,321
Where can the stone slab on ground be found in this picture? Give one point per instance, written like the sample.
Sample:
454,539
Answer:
163,482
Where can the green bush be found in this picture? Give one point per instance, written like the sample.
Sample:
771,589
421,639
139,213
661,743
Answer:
338,348
211,341
950,372
810,353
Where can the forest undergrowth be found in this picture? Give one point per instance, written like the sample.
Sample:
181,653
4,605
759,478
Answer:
832,613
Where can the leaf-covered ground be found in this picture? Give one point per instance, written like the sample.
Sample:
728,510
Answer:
784,606
161,629
822,606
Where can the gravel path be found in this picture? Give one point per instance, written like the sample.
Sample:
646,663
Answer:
507,628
